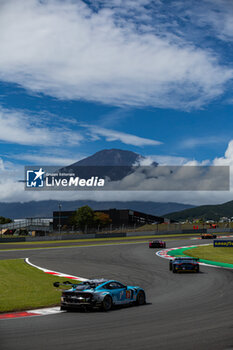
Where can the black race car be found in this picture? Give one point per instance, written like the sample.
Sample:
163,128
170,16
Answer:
184,264
208,236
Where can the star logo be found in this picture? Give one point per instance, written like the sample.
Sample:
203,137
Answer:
39,174
35,178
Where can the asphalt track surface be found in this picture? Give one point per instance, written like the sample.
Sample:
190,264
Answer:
184,311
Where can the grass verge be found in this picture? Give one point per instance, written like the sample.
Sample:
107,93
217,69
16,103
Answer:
222,255
23,287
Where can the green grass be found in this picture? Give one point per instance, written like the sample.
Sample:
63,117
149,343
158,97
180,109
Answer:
23,287
223,255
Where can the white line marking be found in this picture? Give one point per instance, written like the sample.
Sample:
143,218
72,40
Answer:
55,273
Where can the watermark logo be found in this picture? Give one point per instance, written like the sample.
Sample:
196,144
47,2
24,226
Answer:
35,178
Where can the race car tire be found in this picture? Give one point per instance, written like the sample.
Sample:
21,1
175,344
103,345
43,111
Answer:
174,270
63,308
141,298
197,269
107,303
170,265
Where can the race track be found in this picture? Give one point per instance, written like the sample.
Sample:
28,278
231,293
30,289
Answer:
184,311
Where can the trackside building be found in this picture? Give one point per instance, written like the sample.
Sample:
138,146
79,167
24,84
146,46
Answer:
119,218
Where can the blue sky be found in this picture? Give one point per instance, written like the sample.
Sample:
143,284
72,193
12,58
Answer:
76,77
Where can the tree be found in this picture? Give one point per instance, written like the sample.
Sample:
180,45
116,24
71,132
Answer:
83,218
4,220
101,219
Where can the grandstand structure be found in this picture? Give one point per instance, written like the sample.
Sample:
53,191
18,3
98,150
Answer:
29,224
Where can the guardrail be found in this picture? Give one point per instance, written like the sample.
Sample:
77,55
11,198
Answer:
100,235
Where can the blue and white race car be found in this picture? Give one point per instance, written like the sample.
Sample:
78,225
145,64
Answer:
99,293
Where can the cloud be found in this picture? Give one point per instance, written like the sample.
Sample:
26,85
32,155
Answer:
228,156
45,160
119,53
1,165
113,135
165,160
24,129
217,15
199,141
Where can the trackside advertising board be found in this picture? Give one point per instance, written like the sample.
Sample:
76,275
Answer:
223,243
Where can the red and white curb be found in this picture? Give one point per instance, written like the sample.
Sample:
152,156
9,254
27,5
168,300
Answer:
54,273
164,254
30,313
45,311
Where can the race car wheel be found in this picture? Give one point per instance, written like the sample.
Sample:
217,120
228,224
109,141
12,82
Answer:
170,265
63,308
107,303
197,269
141,298
174,270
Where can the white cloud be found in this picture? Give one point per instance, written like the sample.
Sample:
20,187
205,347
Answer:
1,165
20,128
228,156
113,135
218,15
46,160
193,142
164,160
65,49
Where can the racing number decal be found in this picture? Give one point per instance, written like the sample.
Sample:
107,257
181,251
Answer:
128,294
121,295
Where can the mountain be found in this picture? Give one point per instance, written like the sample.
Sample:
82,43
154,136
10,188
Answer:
112,163
207,212
110,157
19,210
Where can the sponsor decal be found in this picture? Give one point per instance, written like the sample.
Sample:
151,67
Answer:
223,243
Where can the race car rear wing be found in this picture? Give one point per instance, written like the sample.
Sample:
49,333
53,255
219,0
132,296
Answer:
186,258
65,284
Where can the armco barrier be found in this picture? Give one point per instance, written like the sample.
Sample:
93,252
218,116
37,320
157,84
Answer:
110,235
99,235
223,243
13,239
200,230
60,237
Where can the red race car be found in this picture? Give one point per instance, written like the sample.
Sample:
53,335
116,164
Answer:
157,244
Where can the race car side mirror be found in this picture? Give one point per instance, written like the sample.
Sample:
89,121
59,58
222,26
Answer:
56,284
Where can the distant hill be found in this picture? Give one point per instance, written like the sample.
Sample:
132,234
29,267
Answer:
20,210
207,212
